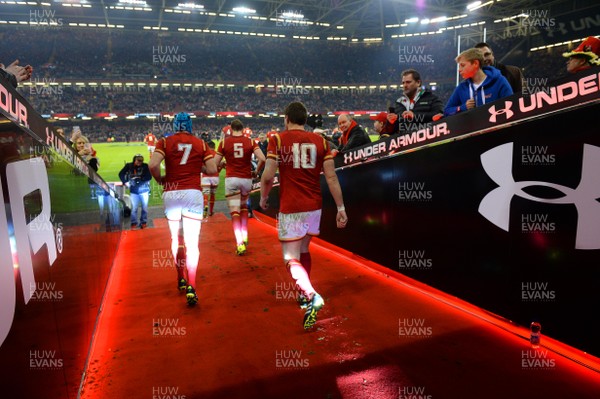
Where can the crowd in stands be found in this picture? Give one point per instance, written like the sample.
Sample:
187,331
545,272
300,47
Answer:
87,100
100,131
100,53
94,54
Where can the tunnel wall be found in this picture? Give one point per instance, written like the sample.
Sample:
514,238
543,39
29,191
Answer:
501,210
59,232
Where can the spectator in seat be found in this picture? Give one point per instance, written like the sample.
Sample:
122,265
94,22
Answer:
416,106
353,135
481,84
584,56
382,126
512,73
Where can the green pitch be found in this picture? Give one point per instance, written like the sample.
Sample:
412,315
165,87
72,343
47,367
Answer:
113,156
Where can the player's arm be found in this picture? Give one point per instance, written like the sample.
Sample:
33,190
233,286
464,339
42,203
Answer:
217,159
211,165
261,159
266,182
336,192
154,166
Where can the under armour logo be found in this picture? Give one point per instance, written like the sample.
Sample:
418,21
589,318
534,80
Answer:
348,157
506,110
495,206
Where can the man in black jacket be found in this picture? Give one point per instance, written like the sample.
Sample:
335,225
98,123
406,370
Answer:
416,108
512,73
136,175
353,135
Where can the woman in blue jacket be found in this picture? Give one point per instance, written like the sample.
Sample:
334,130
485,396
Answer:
481,85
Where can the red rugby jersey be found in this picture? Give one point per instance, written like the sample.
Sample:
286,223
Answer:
184,157
300,156
237,151
150,139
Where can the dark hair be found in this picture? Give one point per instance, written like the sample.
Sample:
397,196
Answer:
416,75
211,145
237,125
483,44
296,113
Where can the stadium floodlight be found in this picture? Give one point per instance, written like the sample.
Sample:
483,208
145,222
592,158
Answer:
425,21
191,5
476,5
244,10
292,15
439,19
411,20
473,6
134,2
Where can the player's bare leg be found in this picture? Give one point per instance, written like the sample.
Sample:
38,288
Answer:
206,194
182,276
211,201
292,251
244,218
234,200
179,252
191,237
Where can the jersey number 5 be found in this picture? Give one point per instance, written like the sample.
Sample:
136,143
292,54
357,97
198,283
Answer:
238,150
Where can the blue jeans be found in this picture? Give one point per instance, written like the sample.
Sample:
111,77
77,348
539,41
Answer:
136,201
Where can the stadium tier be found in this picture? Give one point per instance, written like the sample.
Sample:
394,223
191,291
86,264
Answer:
460,234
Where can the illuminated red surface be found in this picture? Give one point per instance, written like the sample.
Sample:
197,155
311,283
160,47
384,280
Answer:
234,339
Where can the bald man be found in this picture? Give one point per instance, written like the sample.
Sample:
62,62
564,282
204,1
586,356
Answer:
353,135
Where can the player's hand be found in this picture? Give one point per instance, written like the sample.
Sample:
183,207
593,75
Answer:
341,219
470,103
408,115
127,184
264,202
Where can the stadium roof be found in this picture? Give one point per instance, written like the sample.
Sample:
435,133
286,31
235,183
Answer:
349,19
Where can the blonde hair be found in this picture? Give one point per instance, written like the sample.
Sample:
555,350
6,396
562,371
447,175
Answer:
82,137
471,55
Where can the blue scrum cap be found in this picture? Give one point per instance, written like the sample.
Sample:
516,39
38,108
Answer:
181,122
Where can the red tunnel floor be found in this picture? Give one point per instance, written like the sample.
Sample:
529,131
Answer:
375,337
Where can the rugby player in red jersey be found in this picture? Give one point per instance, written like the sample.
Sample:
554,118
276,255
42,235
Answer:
184,156
237,151
300,156
210,183
150,141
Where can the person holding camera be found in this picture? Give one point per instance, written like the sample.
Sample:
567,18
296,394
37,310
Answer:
136,176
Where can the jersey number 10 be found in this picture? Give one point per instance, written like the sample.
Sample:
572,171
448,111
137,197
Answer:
305,155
